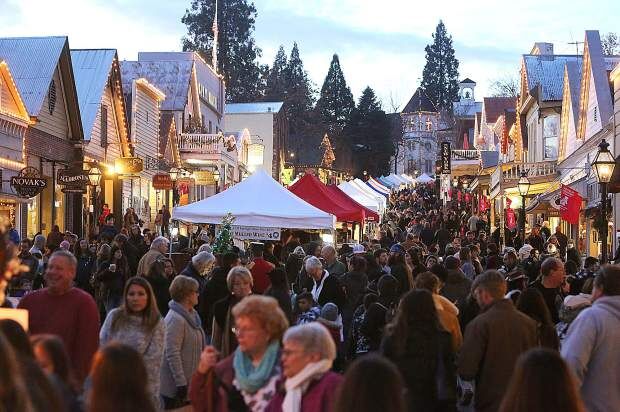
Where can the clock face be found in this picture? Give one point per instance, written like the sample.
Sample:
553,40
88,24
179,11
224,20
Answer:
468,93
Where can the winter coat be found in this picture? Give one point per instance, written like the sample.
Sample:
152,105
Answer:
427,366
184,342
319,396
215,289
590,350
457,287
150,344
493,342
144,266
160,285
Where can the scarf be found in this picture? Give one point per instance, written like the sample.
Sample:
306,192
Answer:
298,384
190,317
249,378
316,290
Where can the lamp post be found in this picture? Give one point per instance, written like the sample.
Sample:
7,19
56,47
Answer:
604,164
524,188
94,178
216,178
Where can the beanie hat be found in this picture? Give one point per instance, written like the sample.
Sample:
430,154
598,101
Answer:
397,248
299,251
525,251
329,316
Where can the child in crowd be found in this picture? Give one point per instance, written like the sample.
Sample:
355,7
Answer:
305,311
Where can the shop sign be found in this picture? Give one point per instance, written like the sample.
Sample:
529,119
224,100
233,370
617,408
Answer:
73,181
204,177
162,181
253,232
128,165
28,182
154,163
446,166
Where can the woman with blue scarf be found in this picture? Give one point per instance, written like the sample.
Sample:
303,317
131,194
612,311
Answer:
246,380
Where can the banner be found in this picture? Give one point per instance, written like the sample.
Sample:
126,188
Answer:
446,159
253,232
511,219
570,205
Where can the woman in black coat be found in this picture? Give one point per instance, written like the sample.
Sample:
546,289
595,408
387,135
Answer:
280,291
160,284
422,349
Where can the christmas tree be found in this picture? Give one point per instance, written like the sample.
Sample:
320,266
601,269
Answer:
328,153
224,240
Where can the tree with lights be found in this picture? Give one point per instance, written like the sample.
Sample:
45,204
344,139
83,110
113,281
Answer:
329,157
224,239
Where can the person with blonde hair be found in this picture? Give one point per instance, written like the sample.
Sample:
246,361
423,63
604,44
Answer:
183,343
246,379
138,323
239,281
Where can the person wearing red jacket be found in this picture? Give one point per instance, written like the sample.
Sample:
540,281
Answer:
260,268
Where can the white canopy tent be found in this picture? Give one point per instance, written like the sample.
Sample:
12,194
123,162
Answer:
424,178
408,178
359,183
257,201
360,197
400,179
394,180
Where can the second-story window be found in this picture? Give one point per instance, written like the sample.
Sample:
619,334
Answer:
551,132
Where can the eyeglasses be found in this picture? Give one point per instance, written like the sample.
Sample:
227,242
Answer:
242,331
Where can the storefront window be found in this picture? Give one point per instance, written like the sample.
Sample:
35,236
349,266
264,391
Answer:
551,131
32,225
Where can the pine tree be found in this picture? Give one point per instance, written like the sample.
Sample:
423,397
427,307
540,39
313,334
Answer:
329,157
336,103
276,81
370,132
237,51
441,72
224,240
299,93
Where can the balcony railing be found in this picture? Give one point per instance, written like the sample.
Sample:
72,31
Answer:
201,143
461,154
511,173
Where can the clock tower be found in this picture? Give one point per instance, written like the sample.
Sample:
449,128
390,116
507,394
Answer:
466,89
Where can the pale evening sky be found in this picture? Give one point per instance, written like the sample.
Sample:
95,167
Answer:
380,44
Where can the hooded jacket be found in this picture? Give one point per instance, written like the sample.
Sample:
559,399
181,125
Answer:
457,287
591,351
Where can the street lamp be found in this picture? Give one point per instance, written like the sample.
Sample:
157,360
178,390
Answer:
216,178
94,178
175,173
604,165
524,188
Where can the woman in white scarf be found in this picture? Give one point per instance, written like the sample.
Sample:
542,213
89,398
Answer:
307,356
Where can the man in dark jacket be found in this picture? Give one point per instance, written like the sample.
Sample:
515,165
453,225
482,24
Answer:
493,341
456,286
327,288
551,285
536,240
197,268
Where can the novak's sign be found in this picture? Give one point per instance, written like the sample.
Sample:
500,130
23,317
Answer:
28,182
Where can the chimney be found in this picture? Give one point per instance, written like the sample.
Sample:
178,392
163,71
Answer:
542,49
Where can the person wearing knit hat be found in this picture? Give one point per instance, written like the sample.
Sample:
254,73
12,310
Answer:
333,322
299,252
524,252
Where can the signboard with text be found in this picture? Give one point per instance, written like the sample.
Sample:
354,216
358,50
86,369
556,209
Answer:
28,182
446,166
128,165
162,181
253,232
204,177
72,180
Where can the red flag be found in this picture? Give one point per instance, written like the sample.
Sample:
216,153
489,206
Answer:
570,205
465,141
511,219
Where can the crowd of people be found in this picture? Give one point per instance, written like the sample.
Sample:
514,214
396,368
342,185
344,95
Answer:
429,314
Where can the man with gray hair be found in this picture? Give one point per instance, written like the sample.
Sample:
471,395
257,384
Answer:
332,264
63,310
493,341
326,288
159,247
198,267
